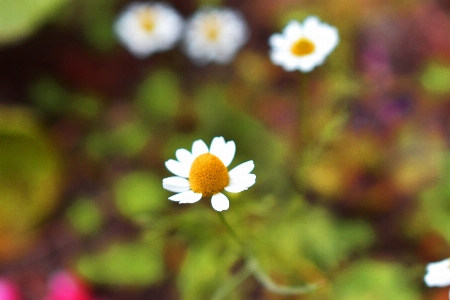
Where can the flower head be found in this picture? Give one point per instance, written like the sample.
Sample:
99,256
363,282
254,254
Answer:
204,173
438,274
215,35
146,28
303,46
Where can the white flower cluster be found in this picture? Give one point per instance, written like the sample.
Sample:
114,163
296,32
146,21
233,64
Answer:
210,35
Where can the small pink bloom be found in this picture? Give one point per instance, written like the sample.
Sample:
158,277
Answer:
66,286
8,290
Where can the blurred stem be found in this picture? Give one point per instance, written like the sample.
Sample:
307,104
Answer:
302,133
231,284
302,117
255,270
274,287
231,231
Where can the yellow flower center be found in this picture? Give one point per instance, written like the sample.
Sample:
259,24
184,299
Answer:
147,19
211,28
303,47
208,175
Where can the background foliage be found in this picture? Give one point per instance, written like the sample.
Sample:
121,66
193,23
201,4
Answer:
360,205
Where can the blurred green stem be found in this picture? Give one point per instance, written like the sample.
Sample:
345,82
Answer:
302,117
254,269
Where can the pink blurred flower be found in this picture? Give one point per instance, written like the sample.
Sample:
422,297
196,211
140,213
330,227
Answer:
8,290
65,286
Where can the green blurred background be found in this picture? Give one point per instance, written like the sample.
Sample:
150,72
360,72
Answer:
360,204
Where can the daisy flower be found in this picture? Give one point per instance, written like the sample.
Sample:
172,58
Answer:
215,35
303,46
438,274
204,173
146,28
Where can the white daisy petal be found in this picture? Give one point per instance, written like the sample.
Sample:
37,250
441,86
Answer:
220,202
176,184
240,183
228,155
242,169
199,147
186,197
217,146
185,157
177,168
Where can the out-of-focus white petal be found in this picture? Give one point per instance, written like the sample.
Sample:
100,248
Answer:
199,147
176,184
220,202
215,35
240,183
293,30
177,168
438,274
242,169
278,41
143,41
186,197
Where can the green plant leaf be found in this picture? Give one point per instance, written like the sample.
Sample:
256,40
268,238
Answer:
19,18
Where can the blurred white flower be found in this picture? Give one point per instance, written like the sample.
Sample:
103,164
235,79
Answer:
438,274
215,35
303,46
146,28
204,173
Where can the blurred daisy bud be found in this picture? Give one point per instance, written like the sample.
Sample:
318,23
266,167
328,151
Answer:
303,46
438,274
8,290
146,28
215,35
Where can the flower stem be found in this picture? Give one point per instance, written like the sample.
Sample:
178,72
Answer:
231,230
253,268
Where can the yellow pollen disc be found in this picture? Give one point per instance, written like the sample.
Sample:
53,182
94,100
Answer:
211,29
208,175
147,19
303,47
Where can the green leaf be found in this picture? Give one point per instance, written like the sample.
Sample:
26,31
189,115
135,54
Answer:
436,78
139,193
204,270
373,280
159,94
127,139
29,171
18,18
126,264
49,95
85,216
